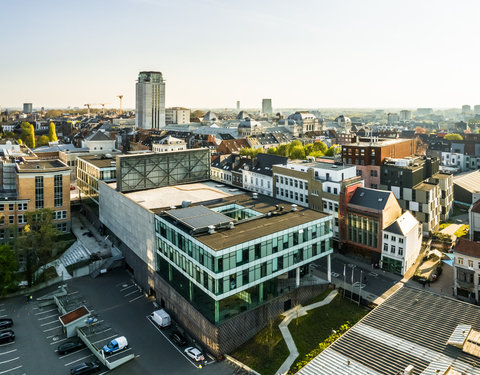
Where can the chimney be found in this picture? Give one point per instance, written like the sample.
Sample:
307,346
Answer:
408,370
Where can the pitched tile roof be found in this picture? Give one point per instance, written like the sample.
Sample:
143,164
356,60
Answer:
370,198
467,247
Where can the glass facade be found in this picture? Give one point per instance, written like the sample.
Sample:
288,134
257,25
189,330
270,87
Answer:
362,230
225,282
58,191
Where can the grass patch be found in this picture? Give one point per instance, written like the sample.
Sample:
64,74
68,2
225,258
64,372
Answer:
462,231
443,226
266,351
310,330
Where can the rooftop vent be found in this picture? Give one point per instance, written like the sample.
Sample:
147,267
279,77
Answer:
255,195
231,225
186,204
211,229
408,370
294,207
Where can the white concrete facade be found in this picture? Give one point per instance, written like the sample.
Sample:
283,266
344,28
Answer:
257,182
150,101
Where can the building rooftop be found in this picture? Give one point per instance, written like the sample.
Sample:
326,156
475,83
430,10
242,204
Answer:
412,327
99,161
299,165
370,198
74,315
41,165
403,225
426,186
378,143
467,247
469,181
258,226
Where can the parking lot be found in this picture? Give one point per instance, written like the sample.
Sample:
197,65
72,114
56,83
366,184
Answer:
120,308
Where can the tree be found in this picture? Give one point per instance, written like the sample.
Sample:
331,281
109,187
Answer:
37,240
294,144
453,137
52,134
320,146
297,152
333,150
43,140
251,152
28,134
308,149
272,151
8,268
283,150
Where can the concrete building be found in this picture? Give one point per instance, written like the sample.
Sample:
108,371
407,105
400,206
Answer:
238,105
258,177
301,122
317,185
99,142
177,115
465,186
169,144
476,109
466,108
267,106
27,108
224,276
248,127
402,241
466,270
393,118
369,154
150,101
474,218
368,212
405,115
90,170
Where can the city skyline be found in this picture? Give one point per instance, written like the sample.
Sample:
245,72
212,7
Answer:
311,55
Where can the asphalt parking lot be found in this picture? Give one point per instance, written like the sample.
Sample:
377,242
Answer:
121,309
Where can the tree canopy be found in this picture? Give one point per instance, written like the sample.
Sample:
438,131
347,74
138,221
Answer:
8,268
43,140
52,134
28,134
251,152
295,150
453,137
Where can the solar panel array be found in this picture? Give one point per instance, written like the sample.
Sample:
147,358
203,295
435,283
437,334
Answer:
198,217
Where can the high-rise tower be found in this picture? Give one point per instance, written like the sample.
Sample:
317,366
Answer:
267,106
150,101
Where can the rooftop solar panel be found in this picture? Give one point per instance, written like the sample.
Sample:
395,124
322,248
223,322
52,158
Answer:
197,217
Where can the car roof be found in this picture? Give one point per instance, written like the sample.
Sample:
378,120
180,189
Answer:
194,350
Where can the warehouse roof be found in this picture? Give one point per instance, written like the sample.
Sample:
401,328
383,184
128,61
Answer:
469,181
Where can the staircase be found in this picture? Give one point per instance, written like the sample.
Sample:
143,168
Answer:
74,254
106,264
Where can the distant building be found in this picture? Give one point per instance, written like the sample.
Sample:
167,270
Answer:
150,101
300,123
476,109
258,177
169,144
466,108
177,115
249,127
238,105
405,115
99,142
393,118
424,111
267,106
27,108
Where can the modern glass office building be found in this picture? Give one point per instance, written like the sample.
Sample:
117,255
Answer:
231,256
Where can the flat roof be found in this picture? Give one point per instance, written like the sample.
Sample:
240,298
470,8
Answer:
76,314
41,165
379,143
99,161
259,226
163,198
412,327
426,186
317,164
196,217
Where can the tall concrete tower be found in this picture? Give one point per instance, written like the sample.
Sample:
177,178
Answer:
267,106
150,101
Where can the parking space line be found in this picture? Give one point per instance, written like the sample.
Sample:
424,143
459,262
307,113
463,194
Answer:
135,291
11,369
68,364
10,351
46,324
140,296
8,343
51,329
49,316
69,354
56,342
171,343
106,338
120,352
127,287
9,360
46,311
3,316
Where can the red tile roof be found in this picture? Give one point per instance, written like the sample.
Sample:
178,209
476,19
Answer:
467,247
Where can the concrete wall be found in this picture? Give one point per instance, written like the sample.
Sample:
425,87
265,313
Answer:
130,222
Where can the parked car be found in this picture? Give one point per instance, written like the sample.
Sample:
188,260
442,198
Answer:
178,338
70,346
194,354
7,336
85,368
116,345
6,323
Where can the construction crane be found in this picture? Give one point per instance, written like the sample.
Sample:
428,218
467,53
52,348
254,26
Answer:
90,104
120,97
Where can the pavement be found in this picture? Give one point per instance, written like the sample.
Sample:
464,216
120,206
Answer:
451,229
118,303
289,316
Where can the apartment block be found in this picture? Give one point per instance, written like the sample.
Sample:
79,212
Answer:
466,270
90,170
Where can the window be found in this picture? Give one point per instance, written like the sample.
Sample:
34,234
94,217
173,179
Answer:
62,227
394,238
2,206
22,206
460,260
11,207
400,251
392,249
400,240
335,191
11,219
373,173
21,219
38,192
58,191
470,263
385,236
385,247
329,189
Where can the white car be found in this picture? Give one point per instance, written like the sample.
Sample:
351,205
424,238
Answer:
194,354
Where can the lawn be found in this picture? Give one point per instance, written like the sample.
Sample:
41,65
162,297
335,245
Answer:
315,327
266,351
462,231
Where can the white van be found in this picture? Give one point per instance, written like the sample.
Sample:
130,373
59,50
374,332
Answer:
115,345
161,318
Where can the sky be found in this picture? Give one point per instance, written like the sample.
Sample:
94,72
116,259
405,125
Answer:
308,54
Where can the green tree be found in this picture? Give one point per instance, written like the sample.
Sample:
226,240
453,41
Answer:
37,240
8,268
52,134
297,152
272,151
453,137
43,140
333,150
283,150
308,149
27,134
293,144
320,146
251,152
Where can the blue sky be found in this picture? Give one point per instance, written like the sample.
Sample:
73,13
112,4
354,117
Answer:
383,53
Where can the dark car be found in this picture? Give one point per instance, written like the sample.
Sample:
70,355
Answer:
85,368
70,346
178,338
6,323
7,336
